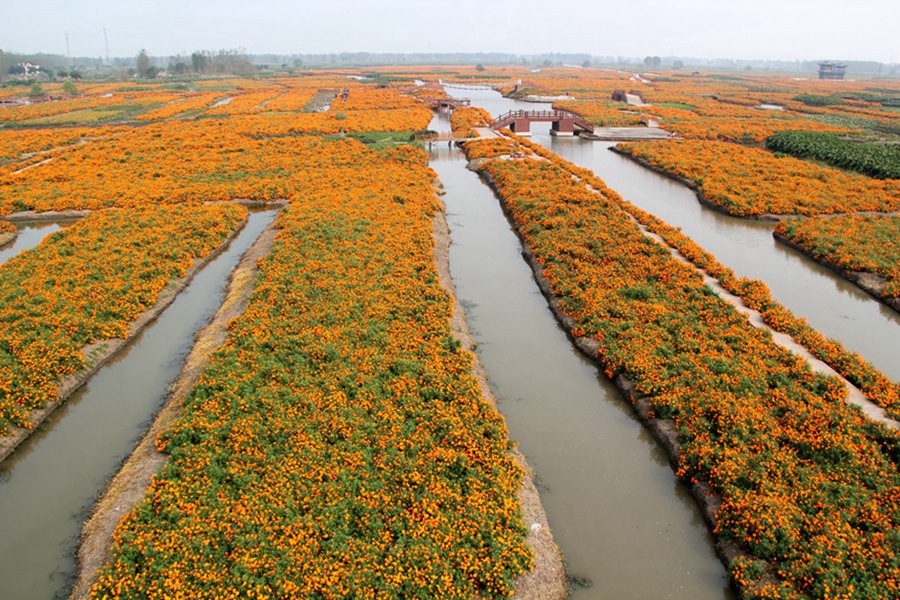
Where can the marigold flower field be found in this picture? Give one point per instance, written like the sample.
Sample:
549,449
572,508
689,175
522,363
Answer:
807,483
749,181
855,243
87,284
337,444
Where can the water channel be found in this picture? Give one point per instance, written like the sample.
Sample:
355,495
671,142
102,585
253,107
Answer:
48,485
29,237
830,303
616,510
618,513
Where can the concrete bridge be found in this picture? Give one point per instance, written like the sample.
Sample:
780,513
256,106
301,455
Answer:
563,121
466,86
446,105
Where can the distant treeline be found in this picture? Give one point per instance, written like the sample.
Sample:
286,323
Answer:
238,61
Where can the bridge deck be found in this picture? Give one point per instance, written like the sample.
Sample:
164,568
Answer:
530,116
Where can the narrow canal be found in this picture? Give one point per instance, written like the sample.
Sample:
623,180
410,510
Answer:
47,487
618,513
831,304
29,237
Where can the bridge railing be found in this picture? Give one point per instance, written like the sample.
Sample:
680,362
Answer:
540,115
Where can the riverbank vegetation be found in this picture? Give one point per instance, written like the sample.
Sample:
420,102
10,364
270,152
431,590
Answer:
465,119
805,480
876,386
867,243
337,446
873,159
752,182
87,284
604,114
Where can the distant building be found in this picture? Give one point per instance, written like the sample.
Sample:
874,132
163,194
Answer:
831,70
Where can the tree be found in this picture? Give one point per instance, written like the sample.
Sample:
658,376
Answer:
648,61
179,68
678,64
69,89
199,62
586,63
143,64
36,89
178,64
479,68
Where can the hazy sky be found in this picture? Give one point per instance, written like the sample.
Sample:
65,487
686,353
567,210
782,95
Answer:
767,29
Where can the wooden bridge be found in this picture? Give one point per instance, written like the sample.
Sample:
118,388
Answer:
563,121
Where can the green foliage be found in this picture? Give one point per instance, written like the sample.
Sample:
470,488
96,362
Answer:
815,100
143,65
881,161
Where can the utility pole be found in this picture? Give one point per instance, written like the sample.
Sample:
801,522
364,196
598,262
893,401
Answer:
68,53
106,39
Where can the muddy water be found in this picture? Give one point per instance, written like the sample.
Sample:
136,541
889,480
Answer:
831,304
48,485
617,512
619,516
29,237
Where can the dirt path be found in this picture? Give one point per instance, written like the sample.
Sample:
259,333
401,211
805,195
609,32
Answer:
128,486
547,581
31,216
31,166
854,395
